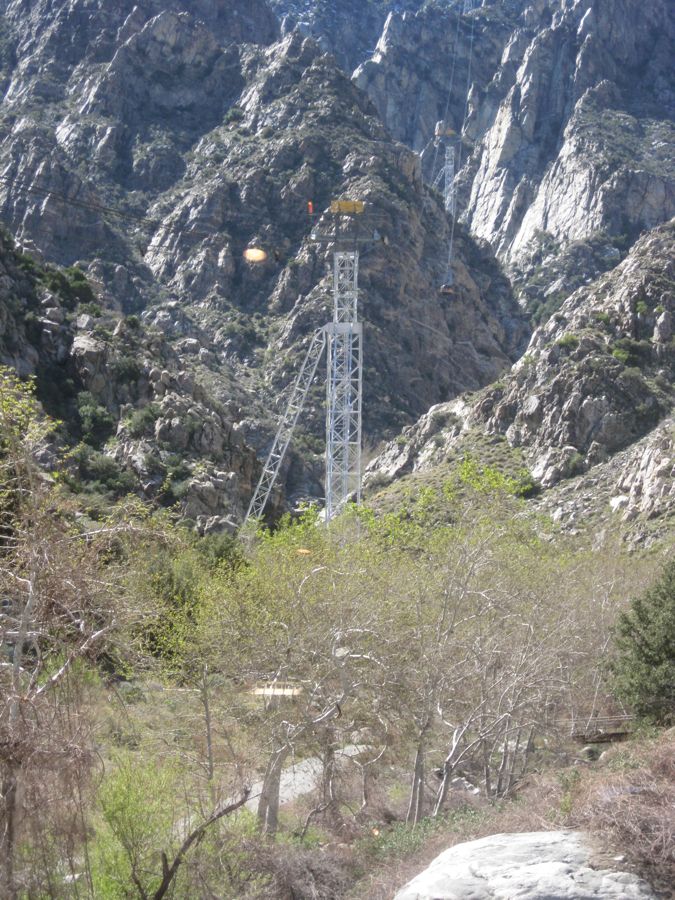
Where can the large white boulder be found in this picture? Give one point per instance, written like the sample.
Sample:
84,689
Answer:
539,865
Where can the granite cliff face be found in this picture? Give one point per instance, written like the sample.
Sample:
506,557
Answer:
152,144
579,142
349,29
423,64
591,399
566,129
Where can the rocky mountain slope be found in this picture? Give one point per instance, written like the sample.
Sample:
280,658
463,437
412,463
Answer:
566,130
152,146
132,412
349,29
593,396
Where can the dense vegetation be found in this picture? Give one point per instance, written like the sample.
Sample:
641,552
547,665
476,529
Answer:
644,667
153,682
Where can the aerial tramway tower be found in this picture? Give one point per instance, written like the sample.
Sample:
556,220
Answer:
343,339
344,383
343,336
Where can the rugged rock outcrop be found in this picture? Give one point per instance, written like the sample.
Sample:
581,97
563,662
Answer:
577,141
566,127
424,63
634,489
152,145
646,486
599,374
531,866
349,29
598,377
138,418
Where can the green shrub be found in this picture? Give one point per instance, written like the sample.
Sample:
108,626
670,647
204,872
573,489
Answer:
234,114
98,473
70,284
643,669
621,355
91,309
126,369
173,491
143,420
569,780
568,342
631,352
96,422
137,804
103,333
26,263
576,464
401,840
525,486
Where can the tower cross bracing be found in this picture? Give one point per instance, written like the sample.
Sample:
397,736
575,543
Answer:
344,387
343,338
287,425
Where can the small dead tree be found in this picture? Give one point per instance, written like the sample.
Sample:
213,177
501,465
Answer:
193,839
60,606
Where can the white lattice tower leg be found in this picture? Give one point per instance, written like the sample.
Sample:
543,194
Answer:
344,388
286,426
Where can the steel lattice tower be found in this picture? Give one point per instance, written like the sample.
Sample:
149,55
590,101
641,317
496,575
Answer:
344,387
287,425
343,337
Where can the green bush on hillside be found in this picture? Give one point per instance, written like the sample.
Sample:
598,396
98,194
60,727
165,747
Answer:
70,284
568,342
142,421
631,352
95,472
97,422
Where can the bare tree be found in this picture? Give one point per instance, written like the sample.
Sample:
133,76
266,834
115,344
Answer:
60,593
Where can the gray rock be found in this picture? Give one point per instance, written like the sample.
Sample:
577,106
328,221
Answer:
549,865
543,112
573,406
619,502
663,329
55,314
85,322
188,346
